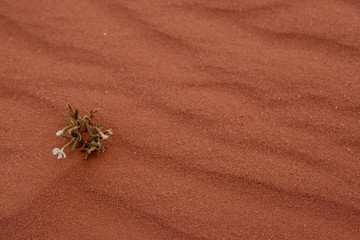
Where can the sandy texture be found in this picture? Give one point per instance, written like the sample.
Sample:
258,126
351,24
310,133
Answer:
232,119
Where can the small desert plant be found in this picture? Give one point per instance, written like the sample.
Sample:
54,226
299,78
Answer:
83,133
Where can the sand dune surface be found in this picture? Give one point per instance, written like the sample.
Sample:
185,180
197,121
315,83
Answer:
231,119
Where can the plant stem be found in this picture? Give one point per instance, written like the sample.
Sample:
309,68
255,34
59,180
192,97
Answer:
66,145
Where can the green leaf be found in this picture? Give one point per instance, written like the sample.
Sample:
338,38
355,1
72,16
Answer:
88,128
71,119
74,135
81,140
94,143
67,138
74,145
76,113
80,125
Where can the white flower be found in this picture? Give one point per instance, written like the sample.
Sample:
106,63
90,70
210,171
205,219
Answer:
60,132
103,136
110,131
60,152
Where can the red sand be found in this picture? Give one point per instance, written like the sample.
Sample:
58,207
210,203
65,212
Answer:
232,119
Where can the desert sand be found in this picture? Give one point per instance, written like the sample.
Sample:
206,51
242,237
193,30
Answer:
231,119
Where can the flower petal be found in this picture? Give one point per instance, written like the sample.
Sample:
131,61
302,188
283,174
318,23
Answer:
55,151
104,136
59,132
